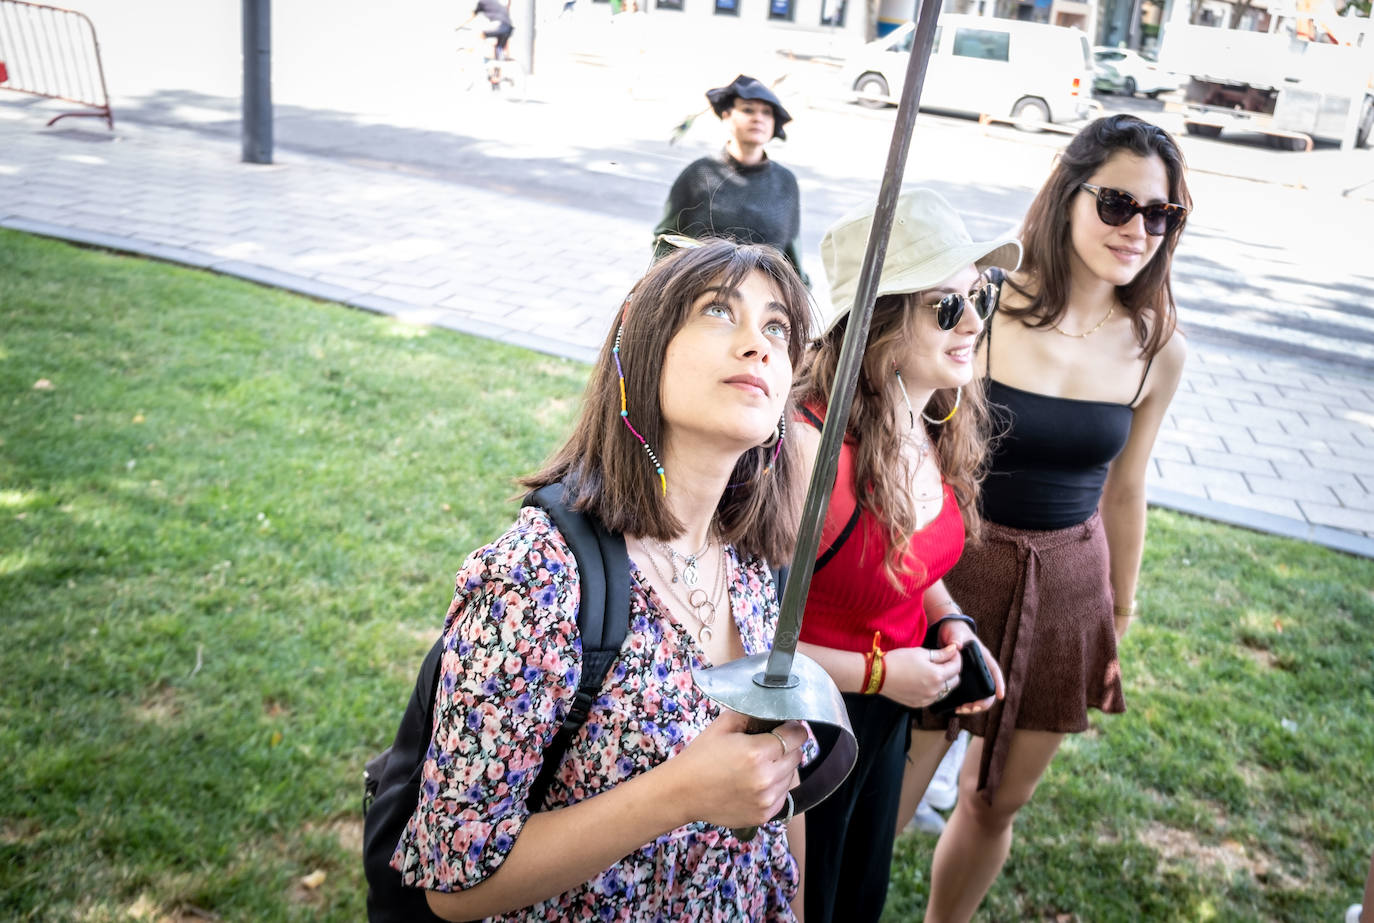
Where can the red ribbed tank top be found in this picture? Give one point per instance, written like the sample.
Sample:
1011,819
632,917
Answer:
851,596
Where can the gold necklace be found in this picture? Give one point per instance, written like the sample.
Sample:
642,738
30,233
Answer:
1079,336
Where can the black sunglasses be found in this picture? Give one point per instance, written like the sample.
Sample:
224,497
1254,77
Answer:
949,310
1115,208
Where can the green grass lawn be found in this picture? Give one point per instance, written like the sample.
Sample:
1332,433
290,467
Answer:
229,520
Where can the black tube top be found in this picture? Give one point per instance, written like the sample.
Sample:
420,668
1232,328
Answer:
1047,469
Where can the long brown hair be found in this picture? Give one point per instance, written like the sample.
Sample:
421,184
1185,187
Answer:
878,424
1045,235
610,473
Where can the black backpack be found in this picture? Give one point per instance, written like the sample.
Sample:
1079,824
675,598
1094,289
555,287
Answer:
391,780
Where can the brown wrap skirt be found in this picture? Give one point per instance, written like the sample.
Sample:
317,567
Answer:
1043,604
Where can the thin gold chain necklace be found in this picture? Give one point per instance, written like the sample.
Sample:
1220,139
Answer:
1079,336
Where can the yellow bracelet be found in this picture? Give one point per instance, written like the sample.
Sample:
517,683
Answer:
1124,612
875,667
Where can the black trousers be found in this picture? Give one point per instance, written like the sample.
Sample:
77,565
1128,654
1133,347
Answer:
849,836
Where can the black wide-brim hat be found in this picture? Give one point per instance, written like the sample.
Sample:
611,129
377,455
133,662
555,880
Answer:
742,87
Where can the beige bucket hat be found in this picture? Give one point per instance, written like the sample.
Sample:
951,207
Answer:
928,244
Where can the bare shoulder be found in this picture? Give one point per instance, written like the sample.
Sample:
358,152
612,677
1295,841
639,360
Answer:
1173,354
1166,370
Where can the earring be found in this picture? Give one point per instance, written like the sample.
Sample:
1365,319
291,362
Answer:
625,414
776,436
775,441
958,393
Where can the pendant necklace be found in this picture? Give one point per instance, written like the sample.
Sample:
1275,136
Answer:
699,603
690,574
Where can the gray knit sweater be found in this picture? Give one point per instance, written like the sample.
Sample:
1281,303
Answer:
721,197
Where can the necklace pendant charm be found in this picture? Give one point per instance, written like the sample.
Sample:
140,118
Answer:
689,573
705,636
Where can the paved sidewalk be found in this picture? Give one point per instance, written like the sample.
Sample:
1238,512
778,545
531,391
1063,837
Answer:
1276,444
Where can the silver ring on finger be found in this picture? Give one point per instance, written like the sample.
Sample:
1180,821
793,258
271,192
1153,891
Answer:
782,741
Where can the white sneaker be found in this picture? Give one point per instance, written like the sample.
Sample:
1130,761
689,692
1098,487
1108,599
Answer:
1352,913
927,820
943,790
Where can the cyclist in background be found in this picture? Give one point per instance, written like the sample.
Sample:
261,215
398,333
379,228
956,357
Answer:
498,16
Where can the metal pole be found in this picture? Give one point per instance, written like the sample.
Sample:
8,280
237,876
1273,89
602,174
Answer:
527,47
257,81
779,669
1133,27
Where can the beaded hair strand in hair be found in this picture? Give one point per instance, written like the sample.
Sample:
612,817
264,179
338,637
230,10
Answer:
625,413
779,435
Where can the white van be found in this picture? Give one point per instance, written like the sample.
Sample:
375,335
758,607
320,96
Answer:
1001,67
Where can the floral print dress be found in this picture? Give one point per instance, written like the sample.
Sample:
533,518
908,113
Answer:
508,675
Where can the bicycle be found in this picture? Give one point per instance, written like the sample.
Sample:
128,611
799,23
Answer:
478,68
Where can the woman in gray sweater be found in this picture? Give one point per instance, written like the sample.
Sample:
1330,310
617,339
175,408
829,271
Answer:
740,193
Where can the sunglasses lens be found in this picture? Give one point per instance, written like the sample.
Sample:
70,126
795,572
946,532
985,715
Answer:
986,300
1114,208
950,309
1160,219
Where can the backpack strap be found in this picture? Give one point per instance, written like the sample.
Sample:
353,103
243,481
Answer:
603,617
850,525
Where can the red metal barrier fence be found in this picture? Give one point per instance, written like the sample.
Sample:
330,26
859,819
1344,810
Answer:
52,52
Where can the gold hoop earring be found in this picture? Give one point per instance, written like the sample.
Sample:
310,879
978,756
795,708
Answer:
958,394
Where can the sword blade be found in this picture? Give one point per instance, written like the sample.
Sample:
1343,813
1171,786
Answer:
778,672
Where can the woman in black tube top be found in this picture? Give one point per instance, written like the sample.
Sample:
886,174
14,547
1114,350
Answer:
1081,362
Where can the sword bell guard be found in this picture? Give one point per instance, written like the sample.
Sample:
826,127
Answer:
811,696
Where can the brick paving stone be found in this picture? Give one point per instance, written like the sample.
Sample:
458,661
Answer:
1217,428
1247,414
1279,506
1320,473
1276,453
1232,461
1178,476
1192,439
1293,490
1196,381
1339,517
1172,451
1355,498
1291,441
412,293
1305,403
1327,429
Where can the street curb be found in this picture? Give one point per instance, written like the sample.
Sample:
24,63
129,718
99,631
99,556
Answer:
1258,521
1202,507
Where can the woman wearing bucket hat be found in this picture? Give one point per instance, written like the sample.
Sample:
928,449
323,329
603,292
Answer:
1080,364
740,193
878,617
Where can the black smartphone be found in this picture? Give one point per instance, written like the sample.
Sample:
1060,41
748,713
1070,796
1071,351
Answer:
975,681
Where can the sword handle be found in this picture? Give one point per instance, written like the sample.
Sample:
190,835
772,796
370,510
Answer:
755,726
